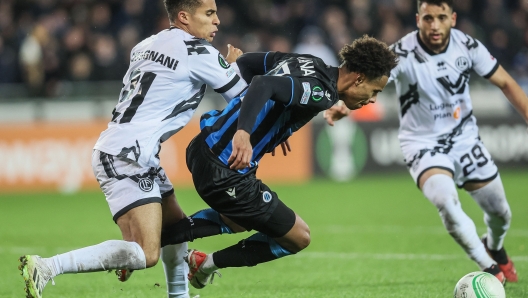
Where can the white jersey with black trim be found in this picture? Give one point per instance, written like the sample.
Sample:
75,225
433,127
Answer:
162,88
433,89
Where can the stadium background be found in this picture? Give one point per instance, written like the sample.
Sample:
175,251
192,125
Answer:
61,65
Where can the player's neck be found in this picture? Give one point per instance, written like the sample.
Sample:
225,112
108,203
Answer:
179,26
433,50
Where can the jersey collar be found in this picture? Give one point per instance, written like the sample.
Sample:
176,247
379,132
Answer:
427,50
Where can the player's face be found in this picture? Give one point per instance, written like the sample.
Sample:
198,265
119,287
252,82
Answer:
204,22
356,96
434,23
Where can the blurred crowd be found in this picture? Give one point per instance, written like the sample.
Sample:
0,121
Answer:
46,42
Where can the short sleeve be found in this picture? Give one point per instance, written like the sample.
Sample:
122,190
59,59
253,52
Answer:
311,93
484,64
207,65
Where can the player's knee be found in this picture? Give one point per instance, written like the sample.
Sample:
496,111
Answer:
151,257
302,240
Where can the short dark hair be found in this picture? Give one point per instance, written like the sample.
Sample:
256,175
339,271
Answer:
368,56
435,2
175,6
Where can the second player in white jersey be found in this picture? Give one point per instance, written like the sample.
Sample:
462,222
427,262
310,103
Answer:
433,88
161,90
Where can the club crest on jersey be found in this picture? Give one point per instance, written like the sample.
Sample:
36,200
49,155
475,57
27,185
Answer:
317,93
145,184
306,93
223,63
462,63
266,196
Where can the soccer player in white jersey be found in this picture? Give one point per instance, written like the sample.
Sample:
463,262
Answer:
164,84
438,132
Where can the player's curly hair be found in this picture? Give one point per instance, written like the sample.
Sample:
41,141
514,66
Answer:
435,2
175,6
368,56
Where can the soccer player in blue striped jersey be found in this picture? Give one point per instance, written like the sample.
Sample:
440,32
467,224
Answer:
286,92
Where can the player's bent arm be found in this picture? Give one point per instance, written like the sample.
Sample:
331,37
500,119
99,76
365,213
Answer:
257,63
511,90
263,88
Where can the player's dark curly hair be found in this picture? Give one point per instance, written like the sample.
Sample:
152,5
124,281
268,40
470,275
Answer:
368,56
175,6
435,2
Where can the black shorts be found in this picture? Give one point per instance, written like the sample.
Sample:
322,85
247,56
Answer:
241,197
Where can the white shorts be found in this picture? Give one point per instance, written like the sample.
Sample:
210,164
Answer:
467,159
126,184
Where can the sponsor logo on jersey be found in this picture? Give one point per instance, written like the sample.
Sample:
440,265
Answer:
441,66
306,93
145,184
456,113
223,62
266,196
231,192
328,96
307,66
196,47
317,93
446,105
462,63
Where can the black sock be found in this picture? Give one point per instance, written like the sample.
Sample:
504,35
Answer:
202,224
244,254
499,256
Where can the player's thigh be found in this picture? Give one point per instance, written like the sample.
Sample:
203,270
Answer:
134,196
474,166
171,210
426,163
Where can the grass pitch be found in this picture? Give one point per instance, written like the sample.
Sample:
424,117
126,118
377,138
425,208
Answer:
374,237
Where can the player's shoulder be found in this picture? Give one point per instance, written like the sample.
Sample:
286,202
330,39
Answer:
464,40
405,45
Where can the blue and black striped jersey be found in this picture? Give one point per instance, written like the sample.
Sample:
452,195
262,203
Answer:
313,89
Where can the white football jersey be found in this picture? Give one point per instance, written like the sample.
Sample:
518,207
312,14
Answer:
433,89
162,88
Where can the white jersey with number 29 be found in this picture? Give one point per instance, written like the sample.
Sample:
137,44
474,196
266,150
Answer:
162,88
433,89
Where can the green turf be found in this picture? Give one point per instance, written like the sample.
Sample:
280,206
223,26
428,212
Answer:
373,237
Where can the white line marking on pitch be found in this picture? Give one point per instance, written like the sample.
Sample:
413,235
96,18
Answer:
391,256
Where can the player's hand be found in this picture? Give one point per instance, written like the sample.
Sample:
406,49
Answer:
336,112
285,146
232,54
242,151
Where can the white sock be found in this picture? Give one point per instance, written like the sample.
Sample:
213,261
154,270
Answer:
497,214
111,254
176,270
440,190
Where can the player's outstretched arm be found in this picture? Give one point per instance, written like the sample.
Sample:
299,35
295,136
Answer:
336,112
511,90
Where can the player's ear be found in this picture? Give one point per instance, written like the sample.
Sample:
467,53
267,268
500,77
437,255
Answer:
454,19
183,17
359,79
